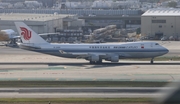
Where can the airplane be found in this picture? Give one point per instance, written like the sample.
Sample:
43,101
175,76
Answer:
94,53
8,35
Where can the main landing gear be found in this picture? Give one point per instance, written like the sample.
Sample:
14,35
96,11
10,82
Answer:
96,62
152,60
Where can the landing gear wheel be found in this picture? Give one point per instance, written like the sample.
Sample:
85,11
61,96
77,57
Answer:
91,62
152,60
99,62
96,62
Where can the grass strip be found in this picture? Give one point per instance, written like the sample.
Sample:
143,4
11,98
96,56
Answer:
81,84
75,100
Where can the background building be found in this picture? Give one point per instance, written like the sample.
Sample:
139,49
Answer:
41,23
158,23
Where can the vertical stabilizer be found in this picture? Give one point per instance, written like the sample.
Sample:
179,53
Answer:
27,34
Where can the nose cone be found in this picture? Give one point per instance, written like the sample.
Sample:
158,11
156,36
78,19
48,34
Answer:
165,51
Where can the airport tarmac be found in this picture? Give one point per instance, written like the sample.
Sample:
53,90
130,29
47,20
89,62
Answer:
18,64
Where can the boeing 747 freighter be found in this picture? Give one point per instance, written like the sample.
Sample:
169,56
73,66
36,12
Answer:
94,53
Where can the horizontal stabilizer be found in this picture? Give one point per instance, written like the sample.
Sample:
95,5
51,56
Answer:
28,46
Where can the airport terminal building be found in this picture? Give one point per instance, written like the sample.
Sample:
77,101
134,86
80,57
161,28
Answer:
41,23
158,23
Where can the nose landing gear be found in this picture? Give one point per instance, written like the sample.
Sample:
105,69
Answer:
96,62
152,60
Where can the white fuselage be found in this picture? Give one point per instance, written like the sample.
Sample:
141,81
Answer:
105,50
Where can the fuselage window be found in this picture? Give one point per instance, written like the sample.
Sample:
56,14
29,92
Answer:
156,44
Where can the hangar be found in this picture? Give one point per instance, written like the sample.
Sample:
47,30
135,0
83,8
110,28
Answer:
41,23
158,23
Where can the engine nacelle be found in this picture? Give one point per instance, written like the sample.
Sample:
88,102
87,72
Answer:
94,58
114,58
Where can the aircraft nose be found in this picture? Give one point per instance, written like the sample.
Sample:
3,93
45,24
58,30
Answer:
166,50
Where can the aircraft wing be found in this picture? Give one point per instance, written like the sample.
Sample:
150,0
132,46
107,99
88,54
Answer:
85,55
82,55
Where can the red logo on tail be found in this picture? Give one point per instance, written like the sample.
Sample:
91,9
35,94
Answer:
25,33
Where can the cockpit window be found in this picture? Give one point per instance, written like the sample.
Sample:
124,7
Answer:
156,44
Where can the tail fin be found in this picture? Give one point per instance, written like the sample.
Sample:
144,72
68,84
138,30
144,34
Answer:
27,34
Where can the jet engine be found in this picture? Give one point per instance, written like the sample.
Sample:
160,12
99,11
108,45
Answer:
114,58
94,58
